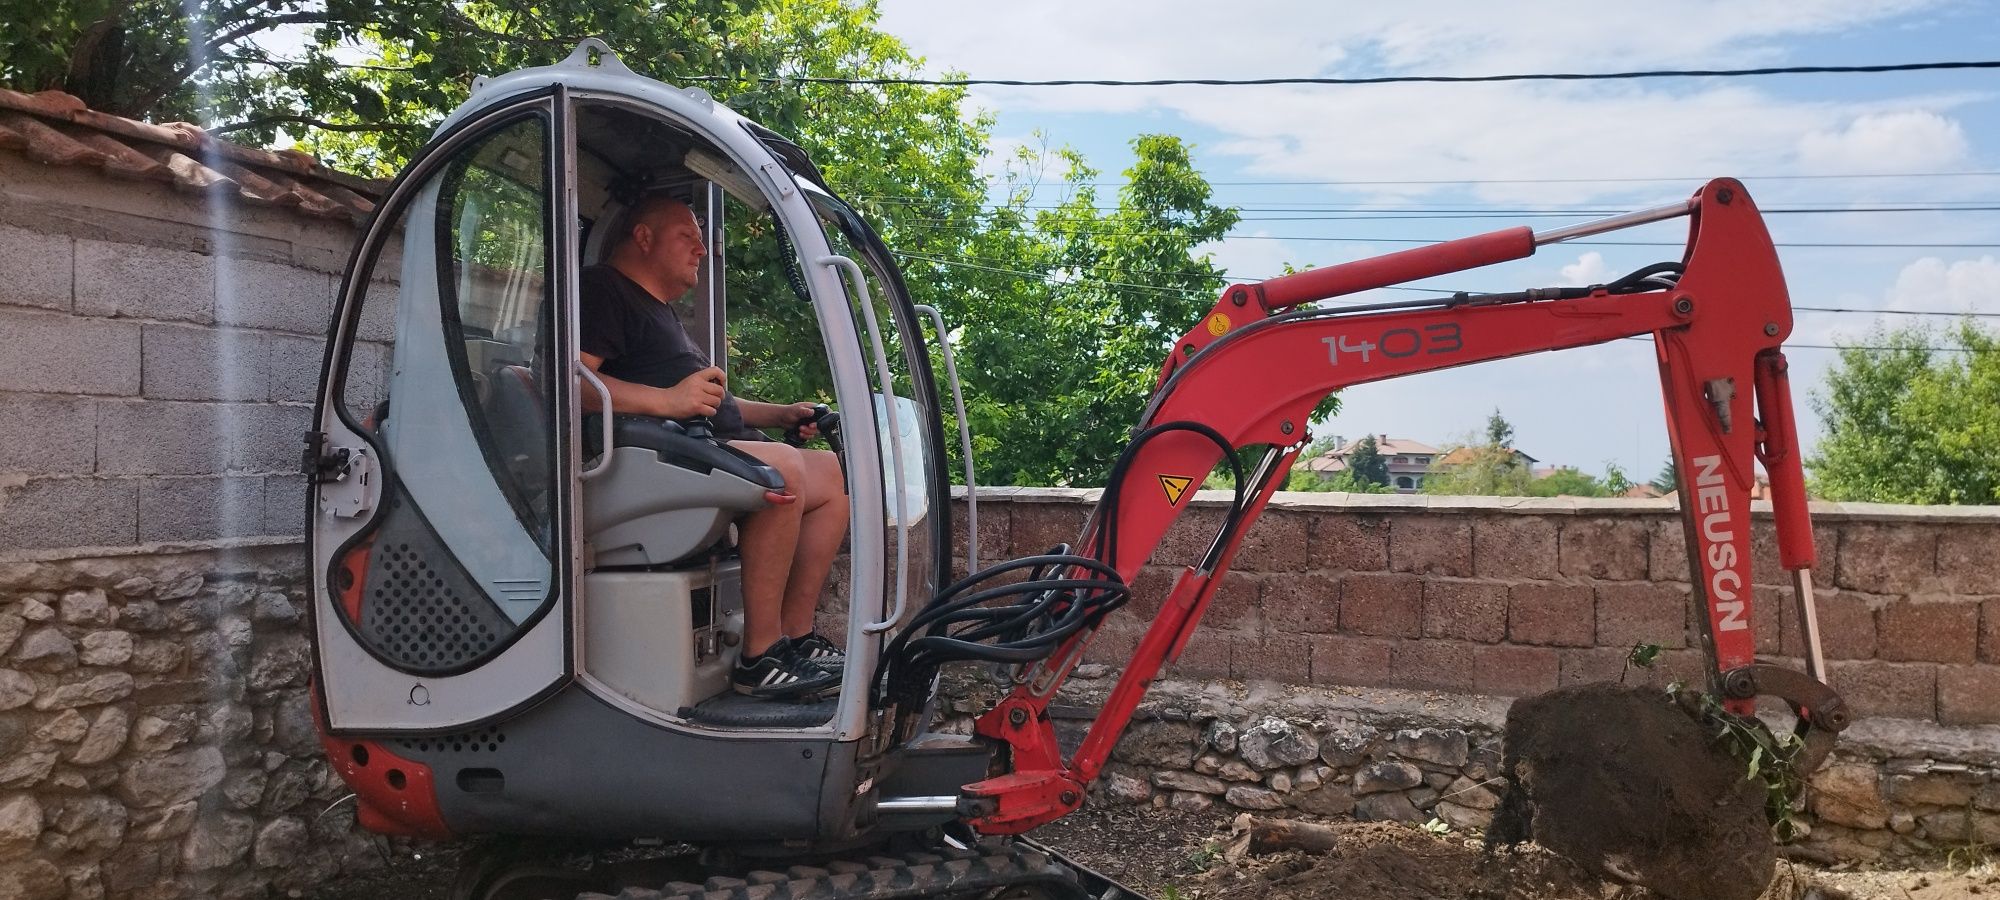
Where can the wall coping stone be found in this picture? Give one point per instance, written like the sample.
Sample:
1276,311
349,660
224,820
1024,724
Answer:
1822,510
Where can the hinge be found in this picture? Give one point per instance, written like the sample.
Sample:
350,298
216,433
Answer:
320,466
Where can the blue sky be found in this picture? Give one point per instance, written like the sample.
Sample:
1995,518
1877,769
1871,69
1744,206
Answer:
1582,407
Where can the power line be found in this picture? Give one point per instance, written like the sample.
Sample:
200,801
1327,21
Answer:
1849,245
1899,312
1377,79
1791,346
1695,179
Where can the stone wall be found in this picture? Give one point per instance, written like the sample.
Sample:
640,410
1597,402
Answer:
159,352
1514,596
155,739
1358,658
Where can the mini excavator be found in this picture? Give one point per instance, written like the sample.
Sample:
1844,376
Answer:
524,614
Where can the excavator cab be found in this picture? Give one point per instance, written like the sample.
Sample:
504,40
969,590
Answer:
524,613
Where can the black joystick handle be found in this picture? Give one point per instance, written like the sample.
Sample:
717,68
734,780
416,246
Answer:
823,418
699,427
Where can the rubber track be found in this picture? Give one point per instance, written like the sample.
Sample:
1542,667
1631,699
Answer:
944,873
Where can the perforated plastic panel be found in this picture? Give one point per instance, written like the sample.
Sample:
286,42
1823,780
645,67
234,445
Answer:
420,609
485,740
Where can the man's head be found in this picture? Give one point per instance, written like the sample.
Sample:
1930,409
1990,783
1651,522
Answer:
661,247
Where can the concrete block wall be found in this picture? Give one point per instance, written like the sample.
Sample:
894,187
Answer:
1512,597
158,360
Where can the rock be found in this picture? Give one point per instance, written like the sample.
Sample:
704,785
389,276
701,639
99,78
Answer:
1309,778
26,769
1118,788
282,842
1387,775
1221,736
280,664
161,824
140,866
219,840
245,789
1243,796
237,632
36,611
1902,822
1423,797
106,737
287,788
1346,744
1437,780
89,607
1189,782
292,728
1934,790
46,650
67,728
227,724
1087,671
181,588
1237,770
91,823
107,648
1849,794
1431,745
13,735
16,689
1155,744
11,627
134,586
1274,742
1208,764
1330,800
1958,827
1280,782
154,734
1463,816
1988,797
101,689
20,825
142,616
1190,802
162,780
83,883
1388,808
32,879
1466,792
155,657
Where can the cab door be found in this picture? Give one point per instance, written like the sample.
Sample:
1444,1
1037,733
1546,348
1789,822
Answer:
440,533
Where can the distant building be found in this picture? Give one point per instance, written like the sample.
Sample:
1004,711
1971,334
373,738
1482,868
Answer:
1409,461
1462,455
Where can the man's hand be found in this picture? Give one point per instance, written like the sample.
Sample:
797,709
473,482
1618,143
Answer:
699,394
798,417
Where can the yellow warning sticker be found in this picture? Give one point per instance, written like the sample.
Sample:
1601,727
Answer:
1218,324
1176,487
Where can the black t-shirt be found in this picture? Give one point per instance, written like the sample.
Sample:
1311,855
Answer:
643,341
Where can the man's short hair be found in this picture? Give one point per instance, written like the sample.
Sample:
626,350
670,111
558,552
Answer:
648,208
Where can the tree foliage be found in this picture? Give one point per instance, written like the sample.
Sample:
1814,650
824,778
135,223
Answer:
1060,316
1367,462
1908,424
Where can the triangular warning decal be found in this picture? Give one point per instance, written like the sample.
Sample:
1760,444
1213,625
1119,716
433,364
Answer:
1176,486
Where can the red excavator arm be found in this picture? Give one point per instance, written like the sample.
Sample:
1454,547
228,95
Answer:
1252,370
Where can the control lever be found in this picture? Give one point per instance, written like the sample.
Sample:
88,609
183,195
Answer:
823,418
699,427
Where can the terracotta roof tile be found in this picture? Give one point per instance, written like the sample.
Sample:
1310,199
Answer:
56,129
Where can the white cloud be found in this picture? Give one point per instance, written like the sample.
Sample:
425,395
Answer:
1909,141
1588,269
1966,285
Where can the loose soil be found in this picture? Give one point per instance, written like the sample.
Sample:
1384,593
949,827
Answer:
1625,782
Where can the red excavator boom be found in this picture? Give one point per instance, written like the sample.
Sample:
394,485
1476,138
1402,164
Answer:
1251,371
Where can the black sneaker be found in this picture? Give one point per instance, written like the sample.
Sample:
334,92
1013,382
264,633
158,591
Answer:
821,652
780,674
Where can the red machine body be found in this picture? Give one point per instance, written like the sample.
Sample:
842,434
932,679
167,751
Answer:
1250,373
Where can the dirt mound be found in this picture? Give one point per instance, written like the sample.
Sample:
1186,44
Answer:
1627,784
1386,861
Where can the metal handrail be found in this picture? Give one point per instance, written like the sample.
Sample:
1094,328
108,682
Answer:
860,283
964,441
603,421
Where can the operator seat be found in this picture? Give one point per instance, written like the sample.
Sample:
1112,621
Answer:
664,496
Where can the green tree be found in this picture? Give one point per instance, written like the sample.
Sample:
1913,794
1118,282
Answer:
1498,432
1668,480
1567,481
1908,424
1483,470
1615,482
1367,462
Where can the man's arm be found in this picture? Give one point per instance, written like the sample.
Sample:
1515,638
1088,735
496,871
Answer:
770,415
696,395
